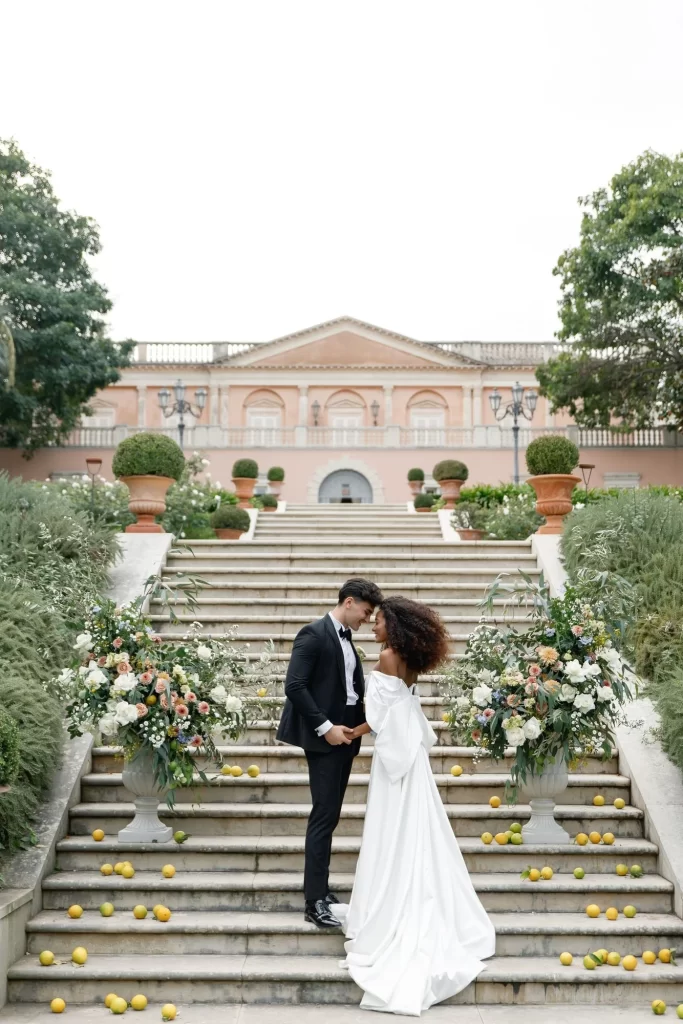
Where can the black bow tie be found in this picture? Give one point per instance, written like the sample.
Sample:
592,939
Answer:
345,634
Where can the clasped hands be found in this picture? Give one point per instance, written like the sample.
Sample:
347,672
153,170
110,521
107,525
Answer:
340,734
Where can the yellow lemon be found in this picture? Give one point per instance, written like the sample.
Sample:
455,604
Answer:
622,869
598,801
128,871
168,871
226,770
456,770
98,835
494,801
629,963
611,913
613,959
546,874
107,909
253,771
649,957
163,914
79,955
658,1007
620,803
47,958
593,910
502,839
109,999
582,839
75,911
444,717
595,837
566,959
630,911
236,771
602,954
608,839
487,838
665,956
118,1005
128,864
139,912
168,1012
118,867
262,692
58,1005
107,869
589,963
534,875
139,1002
151,700
579,873
679,1011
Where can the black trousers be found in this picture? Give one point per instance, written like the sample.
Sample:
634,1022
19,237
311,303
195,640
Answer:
328,777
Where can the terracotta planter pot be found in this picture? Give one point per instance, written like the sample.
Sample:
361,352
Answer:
244,489
268,508
450,491
147,500
275,487
225,534
415,486
470,534
423,509
553,498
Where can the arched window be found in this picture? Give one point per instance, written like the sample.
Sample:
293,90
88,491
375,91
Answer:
427,410
346,416
264,415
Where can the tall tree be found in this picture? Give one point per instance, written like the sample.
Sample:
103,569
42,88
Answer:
53,307
622,302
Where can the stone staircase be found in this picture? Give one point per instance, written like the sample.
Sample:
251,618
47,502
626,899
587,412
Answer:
237,932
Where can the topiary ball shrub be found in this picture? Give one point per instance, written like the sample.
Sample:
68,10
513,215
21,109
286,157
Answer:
416,474
276,474
551,454
245,468
9,749
268,500
148,455
424,500
228,517
450,469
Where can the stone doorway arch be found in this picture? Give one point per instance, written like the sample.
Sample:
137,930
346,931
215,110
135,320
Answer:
345,487
372,478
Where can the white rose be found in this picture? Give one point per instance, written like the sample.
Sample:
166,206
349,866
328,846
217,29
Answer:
108,725
481,695
486,675
574,671
515,737
611,658
567,692
462,702
591,669
205,653
125,682
233,704
83,642
219,694
96,677
126,713
605,693
584,702
532,729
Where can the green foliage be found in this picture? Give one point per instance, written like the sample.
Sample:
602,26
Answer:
416,474
190,501
228,517
424,500
276,474
147,454
622,298
450,469
515,518
245,468
269,500
469,515
9,748
53,306
488,495
551,453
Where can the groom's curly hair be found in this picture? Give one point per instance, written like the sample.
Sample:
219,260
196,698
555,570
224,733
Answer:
416,632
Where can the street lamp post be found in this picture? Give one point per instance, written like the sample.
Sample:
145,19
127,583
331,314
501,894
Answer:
93,466
515,409
180,405
374,409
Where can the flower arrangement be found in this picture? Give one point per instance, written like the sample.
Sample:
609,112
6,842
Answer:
176,698
555,689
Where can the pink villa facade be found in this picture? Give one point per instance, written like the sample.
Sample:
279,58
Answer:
346,409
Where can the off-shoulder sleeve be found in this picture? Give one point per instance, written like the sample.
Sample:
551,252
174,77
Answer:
393,716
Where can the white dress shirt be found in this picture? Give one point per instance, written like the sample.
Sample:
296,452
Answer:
350,668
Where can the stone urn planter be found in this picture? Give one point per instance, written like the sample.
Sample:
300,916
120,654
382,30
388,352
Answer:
147,500
470,534
553,498
138,779
244,489
450,491
415,486
541,791
275,487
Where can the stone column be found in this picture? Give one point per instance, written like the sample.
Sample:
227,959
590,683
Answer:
476,406
303,405
142,405
467,406
224,405
549,416
213,405
388,405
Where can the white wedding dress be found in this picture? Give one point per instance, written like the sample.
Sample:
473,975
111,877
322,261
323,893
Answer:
416,931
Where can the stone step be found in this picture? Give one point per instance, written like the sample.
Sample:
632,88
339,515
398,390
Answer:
311,541
292,787
310,609
263,732
283,758
258,891
341,561
225,586
255,819
281,933
286,853
217,627
299,531
211,978
336,574
279,625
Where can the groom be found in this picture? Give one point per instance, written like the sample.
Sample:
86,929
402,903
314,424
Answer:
325,689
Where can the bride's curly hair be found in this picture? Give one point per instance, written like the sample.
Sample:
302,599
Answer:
416,632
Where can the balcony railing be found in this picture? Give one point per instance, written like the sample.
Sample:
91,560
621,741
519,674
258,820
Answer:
438,438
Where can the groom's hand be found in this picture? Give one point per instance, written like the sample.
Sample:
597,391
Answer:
339,734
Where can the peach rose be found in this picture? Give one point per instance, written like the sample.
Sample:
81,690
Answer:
117,642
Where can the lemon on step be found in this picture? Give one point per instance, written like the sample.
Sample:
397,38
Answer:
107,869
620,803
636,871
589,963
516,839
621,869
593,910
546,874
109,999
582,839
579,873
595,837
139,912
502,839
613,959
168,1012
445,716
262,692
156,907
658,1007
139,1002
598,800
98,835
602,955
168,871
630,911
47,958
649,957
180,836
629,963
487,838
226,770
79,955
253,771
566,959
494,801
456,770
107,909
515,827
118,1005
679,1011
509,833
611,913
163,914
236,771
58,1005
118,867
608,839
75,911
665,955
534,875
128,871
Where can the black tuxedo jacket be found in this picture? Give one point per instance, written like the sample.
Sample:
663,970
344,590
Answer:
315,687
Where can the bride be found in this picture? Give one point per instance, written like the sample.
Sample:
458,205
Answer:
416,931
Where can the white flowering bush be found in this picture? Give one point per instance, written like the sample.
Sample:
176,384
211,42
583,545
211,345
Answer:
555,689
137,690
515,518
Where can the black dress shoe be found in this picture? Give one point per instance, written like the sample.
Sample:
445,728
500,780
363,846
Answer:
331,898
318,913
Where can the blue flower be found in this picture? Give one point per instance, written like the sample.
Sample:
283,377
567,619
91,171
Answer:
585,640
550,632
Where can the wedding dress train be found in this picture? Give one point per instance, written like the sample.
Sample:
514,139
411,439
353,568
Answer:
416,931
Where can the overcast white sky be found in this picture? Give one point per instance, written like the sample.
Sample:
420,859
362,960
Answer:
260,166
